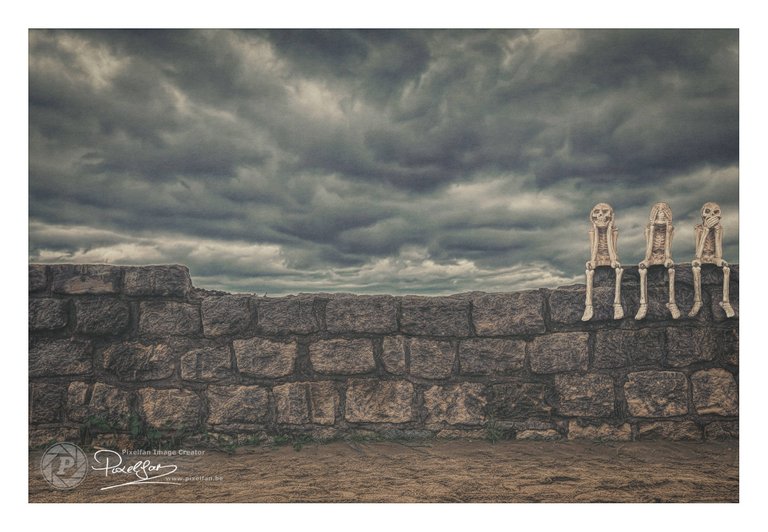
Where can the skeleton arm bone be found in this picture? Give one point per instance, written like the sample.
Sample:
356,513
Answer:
592,248
648,244
701,238
719,246
668,262
613,237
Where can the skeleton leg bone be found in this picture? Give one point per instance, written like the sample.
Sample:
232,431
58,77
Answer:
643,310
725,303
696,292
618,310
672,306
588,309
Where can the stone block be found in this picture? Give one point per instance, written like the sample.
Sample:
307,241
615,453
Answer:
521,400
455,404
342,357
393,355
56,358
538,435
717,311
361,314
432,359
374,401
206,364
715,392
287,315
602,432
656,394
170,409
491,356
138,361
85,278
107,409
559,352
109,317
166,281
237,404
669,430
566,304
44,437
46,402
169,318
619,348
225,315
731,347
722,430
585,395
47,314
658,296
435,316
508,314
38,277
259,357
299,403
686,346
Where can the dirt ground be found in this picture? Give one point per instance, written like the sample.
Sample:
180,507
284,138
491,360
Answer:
433,471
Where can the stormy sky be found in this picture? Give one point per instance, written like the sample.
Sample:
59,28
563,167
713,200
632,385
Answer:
379,161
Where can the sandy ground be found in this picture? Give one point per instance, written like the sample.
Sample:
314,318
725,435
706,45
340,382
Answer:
433,471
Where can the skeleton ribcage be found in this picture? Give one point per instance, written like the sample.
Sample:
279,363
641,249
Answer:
603,257
659,244
708,252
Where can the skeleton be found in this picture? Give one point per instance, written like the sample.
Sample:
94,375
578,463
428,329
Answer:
602,239
658,252
709,250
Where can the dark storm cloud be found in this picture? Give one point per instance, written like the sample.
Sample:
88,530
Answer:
378,160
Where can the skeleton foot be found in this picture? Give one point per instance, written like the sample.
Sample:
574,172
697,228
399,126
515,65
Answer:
695,310
588,313
673,310
618,311
642,311
729,312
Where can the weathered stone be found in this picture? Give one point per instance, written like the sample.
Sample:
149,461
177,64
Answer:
559,352
101,316
507,314
656,394
658,296
137,361
393,355
43,437
619,348
55,358
37,277
538,435
722,430
361,314
168,318
462,434
669,430
306,402
46,402
521,400
47,314
435,316
225,315
206,364
374,401
717,296
166,281
342,357
288,315
715,392
259,357
686,346
107,409
455,404
85,279
585,395
603,432
170,409
731,347
566,304
432,359
237,404
491,356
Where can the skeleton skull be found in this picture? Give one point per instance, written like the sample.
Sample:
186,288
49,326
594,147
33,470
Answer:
661,213
601,215
710,212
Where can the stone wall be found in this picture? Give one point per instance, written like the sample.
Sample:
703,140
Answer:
123,355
